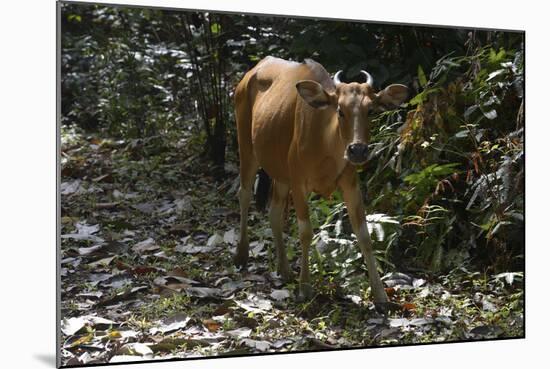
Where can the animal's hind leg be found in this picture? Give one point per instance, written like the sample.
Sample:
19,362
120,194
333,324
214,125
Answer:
248,169
276,218
299,196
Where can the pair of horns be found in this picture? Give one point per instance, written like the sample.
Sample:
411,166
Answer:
368,77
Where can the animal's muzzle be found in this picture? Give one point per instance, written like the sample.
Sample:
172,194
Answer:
357,153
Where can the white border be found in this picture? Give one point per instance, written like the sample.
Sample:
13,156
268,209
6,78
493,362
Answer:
27,180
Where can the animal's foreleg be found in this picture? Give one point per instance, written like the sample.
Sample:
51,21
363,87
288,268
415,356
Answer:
356,212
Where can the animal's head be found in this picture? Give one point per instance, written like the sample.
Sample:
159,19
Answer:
352,104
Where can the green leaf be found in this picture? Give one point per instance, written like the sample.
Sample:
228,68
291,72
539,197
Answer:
422,77
429,176
418,99
495,57
74,17
215,28
423,96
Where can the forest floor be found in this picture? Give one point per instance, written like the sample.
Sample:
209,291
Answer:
147,238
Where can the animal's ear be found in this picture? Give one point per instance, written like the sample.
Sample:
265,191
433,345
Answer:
392,96
313,93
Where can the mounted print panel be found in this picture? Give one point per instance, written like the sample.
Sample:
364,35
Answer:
237,184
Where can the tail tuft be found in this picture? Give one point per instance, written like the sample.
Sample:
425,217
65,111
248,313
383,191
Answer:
263,189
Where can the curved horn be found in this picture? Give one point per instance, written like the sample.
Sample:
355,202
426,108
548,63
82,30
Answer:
337,77
369,78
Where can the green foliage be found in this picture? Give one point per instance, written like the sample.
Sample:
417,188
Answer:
421,77
446,171
449,167
164,306
453,171
424,182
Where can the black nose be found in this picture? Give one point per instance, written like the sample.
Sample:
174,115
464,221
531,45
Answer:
358,152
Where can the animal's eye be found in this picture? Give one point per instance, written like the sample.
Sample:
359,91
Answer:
340,113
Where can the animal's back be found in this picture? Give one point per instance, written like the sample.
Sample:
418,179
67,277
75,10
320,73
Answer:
269,90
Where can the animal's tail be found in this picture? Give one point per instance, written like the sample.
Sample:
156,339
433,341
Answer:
263,189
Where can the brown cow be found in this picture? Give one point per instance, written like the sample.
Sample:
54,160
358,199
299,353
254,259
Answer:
308,132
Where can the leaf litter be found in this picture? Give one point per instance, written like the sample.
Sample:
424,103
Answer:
149,275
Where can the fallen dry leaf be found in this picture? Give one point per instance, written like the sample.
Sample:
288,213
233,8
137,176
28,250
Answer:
145,245
211,325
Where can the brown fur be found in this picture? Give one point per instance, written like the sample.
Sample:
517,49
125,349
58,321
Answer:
288,124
